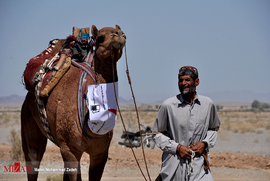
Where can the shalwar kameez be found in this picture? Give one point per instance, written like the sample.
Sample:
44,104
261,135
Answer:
179,122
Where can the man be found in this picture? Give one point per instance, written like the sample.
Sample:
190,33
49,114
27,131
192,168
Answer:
186,127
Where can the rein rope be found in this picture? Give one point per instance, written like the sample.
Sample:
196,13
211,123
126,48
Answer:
118,107
190,165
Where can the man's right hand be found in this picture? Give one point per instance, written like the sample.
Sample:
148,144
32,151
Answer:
184,151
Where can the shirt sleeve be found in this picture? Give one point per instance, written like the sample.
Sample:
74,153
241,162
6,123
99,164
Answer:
214,124
162,140
211,138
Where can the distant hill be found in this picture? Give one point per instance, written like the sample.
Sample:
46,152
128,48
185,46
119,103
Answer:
242,98
19,99
245,96
122,100
12,99
224,96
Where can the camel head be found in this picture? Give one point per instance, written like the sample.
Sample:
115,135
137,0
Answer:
109,41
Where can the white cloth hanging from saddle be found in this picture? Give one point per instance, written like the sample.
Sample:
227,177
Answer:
102,107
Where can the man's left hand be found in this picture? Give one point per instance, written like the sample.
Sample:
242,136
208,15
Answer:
198,148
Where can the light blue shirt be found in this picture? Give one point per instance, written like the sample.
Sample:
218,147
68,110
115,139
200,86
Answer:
181,123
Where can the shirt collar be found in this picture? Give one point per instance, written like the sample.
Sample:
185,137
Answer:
182,101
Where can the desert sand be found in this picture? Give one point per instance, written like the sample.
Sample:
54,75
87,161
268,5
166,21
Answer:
236,156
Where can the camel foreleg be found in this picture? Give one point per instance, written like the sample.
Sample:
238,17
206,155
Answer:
97,165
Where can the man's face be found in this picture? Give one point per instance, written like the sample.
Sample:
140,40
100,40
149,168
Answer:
187,85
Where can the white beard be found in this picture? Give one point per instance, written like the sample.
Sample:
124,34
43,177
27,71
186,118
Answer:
190,91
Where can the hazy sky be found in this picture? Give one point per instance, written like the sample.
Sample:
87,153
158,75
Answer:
228,41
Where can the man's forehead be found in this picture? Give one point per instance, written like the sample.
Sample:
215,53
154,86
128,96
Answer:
185,77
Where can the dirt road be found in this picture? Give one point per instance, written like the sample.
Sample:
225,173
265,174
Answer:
121,165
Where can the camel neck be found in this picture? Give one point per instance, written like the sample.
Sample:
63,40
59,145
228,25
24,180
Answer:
104,70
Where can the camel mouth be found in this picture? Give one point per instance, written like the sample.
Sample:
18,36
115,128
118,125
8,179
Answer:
118,40
118,45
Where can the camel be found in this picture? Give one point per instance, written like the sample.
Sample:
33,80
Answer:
62,114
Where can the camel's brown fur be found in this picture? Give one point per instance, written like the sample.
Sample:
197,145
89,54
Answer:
62,114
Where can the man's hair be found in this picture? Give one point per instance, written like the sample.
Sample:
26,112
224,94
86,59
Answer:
188,72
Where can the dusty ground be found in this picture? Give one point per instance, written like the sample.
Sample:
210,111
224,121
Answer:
236,156
121,165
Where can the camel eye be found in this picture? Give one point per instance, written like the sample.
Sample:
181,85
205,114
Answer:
101,38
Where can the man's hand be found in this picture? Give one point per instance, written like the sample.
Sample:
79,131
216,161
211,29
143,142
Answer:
198,148
184,151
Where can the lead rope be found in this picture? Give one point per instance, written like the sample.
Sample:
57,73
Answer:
137,117
190,165
129,80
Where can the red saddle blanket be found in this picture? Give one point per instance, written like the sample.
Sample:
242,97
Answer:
34,65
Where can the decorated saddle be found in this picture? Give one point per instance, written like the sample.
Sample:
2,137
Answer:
50,65
35,64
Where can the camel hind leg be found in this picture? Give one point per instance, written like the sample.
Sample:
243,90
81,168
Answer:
33,141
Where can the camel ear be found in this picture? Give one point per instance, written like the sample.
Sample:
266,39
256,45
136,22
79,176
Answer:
94,31
117,27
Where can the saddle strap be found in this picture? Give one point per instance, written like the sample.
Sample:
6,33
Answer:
85,67
81,96
43,114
